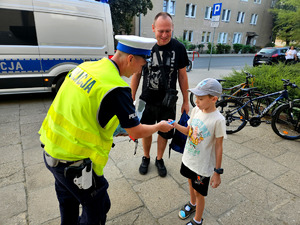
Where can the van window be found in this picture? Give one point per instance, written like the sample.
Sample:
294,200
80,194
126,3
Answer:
17,27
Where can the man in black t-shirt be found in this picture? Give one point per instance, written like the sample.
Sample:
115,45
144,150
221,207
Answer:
155,83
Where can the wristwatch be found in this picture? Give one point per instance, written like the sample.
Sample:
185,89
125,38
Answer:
219,171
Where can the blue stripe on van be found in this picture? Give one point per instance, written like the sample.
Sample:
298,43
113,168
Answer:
20,65
32,65
47,64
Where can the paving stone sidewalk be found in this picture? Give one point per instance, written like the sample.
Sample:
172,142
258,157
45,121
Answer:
260,185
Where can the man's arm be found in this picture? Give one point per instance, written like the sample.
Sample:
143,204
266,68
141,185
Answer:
134,84
184,86
143,130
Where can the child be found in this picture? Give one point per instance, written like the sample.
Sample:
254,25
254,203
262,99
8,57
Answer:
202,157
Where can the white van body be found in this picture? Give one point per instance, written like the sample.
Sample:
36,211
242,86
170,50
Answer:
41,40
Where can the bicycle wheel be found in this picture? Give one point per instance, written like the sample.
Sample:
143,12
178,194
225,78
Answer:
235,116
286,121
189,67
258,105
192,99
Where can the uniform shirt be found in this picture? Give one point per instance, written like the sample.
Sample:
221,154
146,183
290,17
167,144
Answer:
118,102
199,152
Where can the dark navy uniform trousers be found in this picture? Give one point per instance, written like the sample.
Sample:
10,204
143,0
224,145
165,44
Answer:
95,200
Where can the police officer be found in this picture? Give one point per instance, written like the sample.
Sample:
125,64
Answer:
77,133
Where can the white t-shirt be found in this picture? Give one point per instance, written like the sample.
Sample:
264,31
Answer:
290,54
199,152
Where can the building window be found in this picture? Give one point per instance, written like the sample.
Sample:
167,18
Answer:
203,37
190,10
208,37
188,35
273,3
240,17
226,15
257,1
185,35
187,10
237,37
208,13
222,38
193,11
191,35
169,6
253,19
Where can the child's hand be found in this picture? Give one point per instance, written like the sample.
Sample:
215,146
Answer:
164,126
215,180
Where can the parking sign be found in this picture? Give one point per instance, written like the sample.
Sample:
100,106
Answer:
216,15
217,9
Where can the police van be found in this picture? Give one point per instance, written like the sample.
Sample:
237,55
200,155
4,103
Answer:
41,40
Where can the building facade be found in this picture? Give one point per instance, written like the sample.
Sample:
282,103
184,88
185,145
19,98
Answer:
246,22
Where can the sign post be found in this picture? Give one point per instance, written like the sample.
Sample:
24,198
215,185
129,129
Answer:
214,23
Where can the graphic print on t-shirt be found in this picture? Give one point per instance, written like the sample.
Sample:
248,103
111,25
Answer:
197,133
154,78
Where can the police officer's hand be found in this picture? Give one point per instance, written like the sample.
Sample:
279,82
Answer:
164,126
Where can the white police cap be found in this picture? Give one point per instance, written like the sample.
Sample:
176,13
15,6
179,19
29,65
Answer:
135,45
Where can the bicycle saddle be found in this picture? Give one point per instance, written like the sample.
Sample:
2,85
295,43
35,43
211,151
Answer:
248,89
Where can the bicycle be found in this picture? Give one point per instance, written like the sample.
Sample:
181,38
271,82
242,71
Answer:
189,67
285,119
233,91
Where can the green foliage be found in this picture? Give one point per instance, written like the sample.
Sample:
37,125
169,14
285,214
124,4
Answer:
200,48
192,47
123,12
286,17
271,44
237,47
209,48
248,49
268,78
186,43
223,49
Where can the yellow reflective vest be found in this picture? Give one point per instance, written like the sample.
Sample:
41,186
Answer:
71,130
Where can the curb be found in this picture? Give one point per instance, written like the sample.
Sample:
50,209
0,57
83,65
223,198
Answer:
220,55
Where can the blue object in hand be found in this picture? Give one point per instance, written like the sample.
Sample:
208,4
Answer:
171,122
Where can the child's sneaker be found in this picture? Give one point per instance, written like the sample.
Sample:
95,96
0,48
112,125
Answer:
193,222
186,211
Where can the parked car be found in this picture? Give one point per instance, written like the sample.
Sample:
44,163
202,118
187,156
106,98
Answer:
269,56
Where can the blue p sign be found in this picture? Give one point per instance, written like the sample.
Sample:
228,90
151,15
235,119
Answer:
217,9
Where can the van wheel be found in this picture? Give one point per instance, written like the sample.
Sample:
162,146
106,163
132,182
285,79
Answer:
59,83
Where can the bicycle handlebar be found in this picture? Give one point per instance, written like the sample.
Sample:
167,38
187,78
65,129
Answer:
288,83
249,75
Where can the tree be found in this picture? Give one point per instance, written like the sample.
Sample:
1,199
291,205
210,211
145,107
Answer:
286,14
123,12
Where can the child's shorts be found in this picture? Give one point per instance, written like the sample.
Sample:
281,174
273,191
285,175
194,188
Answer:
199,183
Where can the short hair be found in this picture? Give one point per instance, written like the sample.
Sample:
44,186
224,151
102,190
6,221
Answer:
164,15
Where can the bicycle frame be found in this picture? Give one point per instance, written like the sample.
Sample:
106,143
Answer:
238,87
282,94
